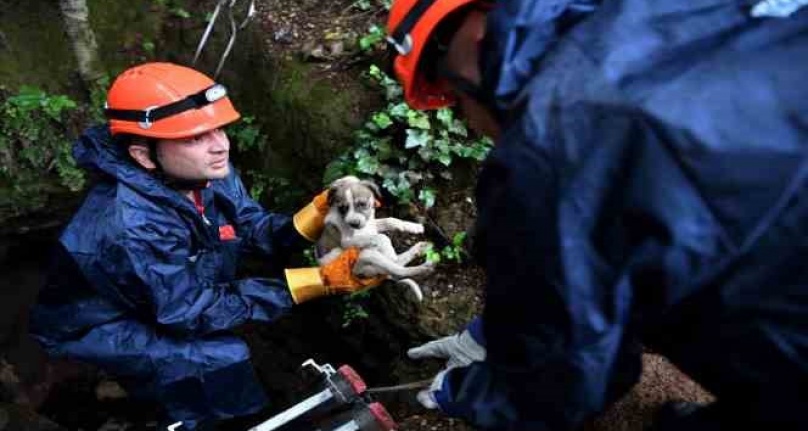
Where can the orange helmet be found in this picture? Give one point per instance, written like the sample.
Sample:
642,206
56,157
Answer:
409,28
167,101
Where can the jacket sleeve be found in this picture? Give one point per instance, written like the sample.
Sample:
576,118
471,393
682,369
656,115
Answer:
569,248
157,276
271,234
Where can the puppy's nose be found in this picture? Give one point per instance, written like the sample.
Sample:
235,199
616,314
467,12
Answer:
355,224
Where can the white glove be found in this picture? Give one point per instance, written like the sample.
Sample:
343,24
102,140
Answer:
460,350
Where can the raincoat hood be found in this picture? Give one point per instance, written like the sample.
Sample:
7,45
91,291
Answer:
97,151
519,34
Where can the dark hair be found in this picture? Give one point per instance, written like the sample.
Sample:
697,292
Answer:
126,140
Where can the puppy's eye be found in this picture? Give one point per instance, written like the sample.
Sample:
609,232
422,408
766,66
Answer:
361,204
344,208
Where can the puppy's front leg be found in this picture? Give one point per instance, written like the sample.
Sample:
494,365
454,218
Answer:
392,223
412,253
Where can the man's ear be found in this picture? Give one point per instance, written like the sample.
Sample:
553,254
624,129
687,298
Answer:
140,153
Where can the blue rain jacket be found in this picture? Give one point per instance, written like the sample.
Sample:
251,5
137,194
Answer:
650,188
145,287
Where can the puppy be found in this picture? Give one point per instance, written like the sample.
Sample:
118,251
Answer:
351,222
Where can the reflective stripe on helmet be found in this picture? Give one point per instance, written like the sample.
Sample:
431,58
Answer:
400,37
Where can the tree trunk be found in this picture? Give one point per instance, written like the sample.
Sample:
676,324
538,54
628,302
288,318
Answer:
76,17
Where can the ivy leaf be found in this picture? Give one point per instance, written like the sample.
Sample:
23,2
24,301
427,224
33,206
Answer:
418,119
400,111
336,169
426,153
374,35
458,128
416,138
431,254
382,120
367,165
445,116
384,150
375,72
427,196
458,239
445,159
180,12
400,187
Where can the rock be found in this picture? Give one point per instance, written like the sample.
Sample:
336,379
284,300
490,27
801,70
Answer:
318,53
283,34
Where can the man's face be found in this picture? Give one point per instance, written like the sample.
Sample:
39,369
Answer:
462,59
203,157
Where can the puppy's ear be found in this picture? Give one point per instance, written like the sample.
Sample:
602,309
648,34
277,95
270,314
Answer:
373,187
332,195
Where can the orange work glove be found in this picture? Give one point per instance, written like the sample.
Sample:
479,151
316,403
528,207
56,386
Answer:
333,278
310,220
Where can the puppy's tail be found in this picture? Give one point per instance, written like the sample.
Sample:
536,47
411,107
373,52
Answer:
416,290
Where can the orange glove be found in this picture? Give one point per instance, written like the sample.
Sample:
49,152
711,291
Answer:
333,278
310,220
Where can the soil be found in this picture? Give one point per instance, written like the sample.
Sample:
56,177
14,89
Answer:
326,33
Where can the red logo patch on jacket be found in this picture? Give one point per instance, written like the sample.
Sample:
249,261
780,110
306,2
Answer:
227,233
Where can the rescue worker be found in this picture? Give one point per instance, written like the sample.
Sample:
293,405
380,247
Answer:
649,186
143,283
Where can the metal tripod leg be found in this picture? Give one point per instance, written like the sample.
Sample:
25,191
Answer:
234,29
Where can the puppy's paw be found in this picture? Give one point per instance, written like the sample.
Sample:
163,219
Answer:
413,228
421,247
427,267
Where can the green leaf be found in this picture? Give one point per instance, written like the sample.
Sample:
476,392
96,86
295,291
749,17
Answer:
458,239
180,12
445,116
418,119
427,196
374,35
458,128
417,138
400,111
375,72
445,159
426,154
382,120
367,165
336,169
384,150
256,191
431,255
